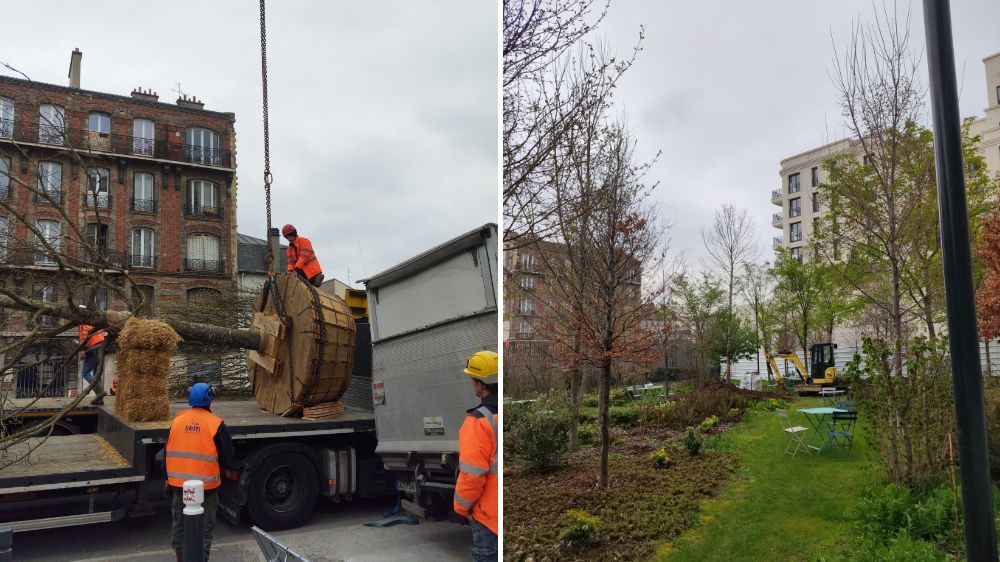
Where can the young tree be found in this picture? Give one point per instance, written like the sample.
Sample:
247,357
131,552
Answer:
695,304
799,293
758,289
731,243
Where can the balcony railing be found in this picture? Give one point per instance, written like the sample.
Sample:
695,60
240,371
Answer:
53,196
139,261
202,211
776,242
97,201
85,139
776,194
211,266
144,205
5,190
776,217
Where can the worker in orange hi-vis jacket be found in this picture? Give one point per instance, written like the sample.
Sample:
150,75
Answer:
301,257
477,489
91,340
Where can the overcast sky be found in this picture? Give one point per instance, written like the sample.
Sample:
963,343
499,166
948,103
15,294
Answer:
728,89
383,115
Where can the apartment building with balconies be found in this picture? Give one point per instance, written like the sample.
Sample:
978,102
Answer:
126,182
801,174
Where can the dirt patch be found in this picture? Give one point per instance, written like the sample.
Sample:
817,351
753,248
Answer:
642,507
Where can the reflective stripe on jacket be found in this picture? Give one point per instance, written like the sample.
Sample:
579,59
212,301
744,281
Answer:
191,452
477,489
86,333
301,256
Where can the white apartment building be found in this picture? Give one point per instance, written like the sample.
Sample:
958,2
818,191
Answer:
802,173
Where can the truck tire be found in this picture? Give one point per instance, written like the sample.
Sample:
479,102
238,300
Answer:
283,492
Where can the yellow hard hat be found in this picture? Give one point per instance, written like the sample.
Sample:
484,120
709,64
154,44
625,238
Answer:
483,367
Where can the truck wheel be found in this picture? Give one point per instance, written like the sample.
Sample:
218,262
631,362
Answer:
283,492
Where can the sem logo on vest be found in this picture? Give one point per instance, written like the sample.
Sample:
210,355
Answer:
193,428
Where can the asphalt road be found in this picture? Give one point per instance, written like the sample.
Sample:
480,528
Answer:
335,532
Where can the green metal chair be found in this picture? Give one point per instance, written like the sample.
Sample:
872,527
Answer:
841,436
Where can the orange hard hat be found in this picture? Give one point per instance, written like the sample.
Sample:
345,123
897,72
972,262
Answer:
287,229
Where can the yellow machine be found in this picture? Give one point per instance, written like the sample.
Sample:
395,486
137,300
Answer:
823,367
357,299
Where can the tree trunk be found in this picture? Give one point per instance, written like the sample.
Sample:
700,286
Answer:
729,332
574,399
602,421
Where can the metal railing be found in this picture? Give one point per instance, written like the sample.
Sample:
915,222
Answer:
54,196
5,190
212,266
42,378
776,242
85,139
202,211
139,261
776,217
97,201
776,194
144,205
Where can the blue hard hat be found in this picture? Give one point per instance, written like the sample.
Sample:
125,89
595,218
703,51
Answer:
200,395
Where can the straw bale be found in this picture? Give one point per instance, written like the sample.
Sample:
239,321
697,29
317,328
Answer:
140,333
147,409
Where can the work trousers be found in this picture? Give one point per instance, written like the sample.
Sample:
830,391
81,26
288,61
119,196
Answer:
90,360
484,543
211,506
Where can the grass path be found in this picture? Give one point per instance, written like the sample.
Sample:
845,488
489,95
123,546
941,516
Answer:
779,507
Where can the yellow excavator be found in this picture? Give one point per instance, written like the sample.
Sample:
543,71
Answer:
822,371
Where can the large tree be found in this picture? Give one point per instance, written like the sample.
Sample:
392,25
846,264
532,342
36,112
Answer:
696,303
731,243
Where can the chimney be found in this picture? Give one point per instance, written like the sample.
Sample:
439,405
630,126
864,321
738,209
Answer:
74,68
147,95
192,102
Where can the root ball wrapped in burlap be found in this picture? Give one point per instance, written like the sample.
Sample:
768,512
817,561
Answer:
143,367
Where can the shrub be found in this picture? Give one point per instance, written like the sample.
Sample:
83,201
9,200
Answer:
579,529
591,400
882,511
901,548
660,458
885,512
626,417
619,398
708,423
734,412
587,434
657,414
692,442
539,439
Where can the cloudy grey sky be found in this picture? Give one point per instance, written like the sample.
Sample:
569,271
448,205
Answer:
383,114
728,89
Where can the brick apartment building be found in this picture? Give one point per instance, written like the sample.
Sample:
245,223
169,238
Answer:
151,184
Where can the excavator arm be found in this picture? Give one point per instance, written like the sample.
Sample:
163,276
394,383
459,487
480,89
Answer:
803,373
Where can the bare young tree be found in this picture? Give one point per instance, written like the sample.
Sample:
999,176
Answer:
731,243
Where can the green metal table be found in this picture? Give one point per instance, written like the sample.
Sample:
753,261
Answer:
817,419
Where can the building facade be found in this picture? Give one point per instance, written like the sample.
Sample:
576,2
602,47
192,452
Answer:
112,185
801,174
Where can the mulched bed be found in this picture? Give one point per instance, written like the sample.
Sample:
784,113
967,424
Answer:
643,506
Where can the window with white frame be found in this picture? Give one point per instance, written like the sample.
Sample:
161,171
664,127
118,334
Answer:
95,296
97,236
6,118
49,182
202,146
143,137
99,123
203,198
49,240
526,307
142,192
4,177
143,244
4,240
524,330
527,282
795,232
51,124
45,292
527,261
203,253
97,188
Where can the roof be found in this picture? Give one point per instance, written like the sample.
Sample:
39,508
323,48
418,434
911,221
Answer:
250,254
116,97
436,254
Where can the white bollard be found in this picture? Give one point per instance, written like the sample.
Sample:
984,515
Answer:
193,496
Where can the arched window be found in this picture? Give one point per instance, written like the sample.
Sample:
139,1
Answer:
6,118
202,146
142,193
51,124
143,137
203,199
203,253
48,242
143,247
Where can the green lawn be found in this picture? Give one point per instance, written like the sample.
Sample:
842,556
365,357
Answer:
779,507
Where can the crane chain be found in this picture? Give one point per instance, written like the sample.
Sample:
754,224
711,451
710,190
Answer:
267,143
